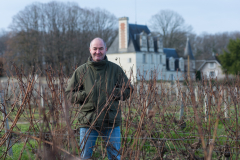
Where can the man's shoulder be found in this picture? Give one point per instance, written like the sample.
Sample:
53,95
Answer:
116,66
81,68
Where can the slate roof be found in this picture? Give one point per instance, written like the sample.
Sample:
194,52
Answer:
114,48
133,46
198,63
204,58
135,29
170,52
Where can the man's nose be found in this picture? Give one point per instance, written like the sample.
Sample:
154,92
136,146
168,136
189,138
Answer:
98,51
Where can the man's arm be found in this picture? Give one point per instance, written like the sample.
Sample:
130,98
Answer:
74,91
123,87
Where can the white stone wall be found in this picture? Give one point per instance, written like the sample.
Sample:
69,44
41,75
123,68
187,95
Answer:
123,60
139,68
152,66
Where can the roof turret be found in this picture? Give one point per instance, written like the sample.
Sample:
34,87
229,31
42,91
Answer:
188,51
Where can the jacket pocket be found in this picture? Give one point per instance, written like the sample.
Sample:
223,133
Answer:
87,115
114,113
87,107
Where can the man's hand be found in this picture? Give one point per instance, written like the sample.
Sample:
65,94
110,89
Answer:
117,94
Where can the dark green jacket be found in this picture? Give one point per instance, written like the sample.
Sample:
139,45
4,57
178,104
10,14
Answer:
98,87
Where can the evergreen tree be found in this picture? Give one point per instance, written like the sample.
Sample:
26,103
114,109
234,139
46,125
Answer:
230,59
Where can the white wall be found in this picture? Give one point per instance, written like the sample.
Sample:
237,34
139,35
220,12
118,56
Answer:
123,61
138,67
150,65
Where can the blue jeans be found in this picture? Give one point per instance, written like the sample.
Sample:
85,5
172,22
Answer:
113,142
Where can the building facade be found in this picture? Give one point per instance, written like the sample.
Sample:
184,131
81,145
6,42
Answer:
141,54
210,67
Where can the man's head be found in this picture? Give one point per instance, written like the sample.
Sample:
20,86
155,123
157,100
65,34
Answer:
97,49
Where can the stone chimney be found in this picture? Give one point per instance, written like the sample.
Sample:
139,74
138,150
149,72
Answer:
123,33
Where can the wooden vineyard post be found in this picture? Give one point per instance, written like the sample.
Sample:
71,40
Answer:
42,97
176,93
206,105
4,113
170,93
225,104
183,95
196,94
229,97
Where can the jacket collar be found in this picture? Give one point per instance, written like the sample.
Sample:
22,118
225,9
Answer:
97,65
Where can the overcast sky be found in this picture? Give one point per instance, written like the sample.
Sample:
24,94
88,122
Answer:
211,16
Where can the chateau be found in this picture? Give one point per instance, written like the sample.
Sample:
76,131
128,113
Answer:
141,53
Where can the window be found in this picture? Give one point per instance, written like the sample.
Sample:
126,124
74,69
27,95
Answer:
129,60
159,45
172,65
182,65
160,59
144,74
193,65
211,74
150,44
152,60
144,58
143,42
171,77
211,65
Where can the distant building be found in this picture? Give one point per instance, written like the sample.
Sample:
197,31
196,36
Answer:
209,66
139,51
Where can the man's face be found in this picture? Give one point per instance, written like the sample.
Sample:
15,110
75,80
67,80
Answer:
97,50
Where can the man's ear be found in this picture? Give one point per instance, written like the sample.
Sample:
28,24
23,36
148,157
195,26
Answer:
106,49
89,49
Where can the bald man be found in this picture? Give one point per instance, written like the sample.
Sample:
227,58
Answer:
97,86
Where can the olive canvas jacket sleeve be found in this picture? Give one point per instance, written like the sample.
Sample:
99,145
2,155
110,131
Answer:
98,87
74,90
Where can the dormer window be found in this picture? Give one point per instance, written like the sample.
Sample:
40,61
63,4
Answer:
150,43
143,41
171,63
181,64
159,45
211,65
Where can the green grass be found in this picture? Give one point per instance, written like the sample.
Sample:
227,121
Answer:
17,147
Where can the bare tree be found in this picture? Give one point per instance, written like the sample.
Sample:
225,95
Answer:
172,28
57,34
3,47
206,44
3,40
